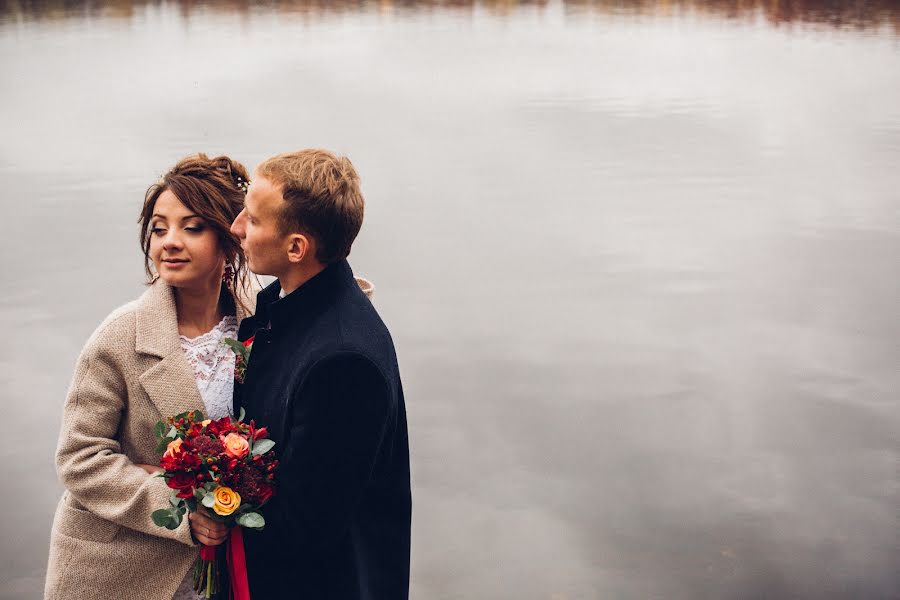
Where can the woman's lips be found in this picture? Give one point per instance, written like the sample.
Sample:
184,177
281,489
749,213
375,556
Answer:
174,263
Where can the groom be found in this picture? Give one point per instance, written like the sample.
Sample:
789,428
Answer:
323,378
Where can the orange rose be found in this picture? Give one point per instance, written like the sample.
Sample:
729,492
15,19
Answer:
173,448
226,501
236,446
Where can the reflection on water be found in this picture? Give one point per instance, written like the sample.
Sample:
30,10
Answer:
639,259
835,13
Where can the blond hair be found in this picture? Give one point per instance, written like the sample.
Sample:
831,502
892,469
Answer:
322,199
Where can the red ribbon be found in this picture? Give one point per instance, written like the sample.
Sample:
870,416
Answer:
237,565
207,553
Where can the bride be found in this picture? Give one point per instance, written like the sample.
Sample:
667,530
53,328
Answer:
155,357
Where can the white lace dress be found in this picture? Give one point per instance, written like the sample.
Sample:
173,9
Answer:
213,364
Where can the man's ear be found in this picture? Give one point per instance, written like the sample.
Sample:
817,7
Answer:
299,247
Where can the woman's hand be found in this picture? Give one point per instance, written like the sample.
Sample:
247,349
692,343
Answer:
150,468
205,529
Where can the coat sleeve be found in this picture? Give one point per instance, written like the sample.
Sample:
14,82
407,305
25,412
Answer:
338,421
89,460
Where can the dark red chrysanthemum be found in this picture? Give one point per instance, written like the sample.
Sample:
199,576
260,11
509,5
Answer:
251,483
208,446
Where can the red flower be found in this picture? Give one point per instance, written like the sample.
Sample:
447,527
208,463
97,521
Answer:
184,482
249,341
208,446
220,427
266,491
186,460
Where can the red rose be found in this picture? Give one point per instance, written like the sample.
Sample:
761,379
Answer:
260,433
184,482
249,341
236,445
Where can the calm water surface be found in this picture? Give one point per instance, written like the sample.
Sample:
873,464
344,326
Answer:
640,261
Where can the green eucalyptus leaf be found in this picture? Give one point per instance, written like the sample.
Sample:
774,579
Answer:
173,433
160,430
169,518
175,501
175,518
161,517
252,520
262,446
209,500
242,415
236,346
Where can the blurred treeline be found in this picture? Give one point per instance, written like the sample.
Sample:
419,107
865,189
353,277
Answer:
859,14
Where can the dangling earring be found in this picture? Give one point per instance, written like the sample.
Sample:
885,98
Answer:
228,276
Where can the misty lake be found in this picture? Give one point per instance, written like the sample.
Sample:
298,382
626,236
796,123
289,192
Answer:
640,262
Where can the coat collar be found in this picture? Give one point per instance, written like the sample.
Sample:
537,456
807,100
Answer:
303,302
156,320
170,383
270,295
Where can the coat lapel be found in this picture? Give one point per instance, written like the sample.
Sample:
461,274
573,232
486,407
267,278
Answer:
171,386
169,383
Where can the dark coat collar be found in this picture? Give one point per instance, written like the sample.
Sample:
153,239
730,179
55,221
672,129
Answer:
306,300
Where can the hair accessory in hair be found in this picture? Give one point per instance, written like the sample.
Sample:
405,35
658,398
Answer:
241,183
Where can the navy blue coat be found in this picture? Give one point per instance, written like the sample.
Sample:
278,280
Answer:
323,377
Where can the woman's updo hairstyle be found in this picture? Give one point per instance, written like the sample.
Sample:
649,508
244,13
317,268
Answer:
214,189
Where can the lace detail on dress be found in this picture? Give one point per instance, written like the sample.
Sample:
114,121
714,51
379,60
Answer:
213,365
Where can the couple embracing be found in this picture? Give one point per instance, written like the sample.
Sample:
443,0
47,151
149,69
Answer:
322,377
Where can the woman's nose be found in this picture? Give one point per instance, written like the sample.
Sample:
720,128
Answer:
172,240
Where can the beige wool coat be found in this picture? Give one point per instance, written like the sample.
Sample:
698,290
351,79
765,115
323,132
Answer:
131,373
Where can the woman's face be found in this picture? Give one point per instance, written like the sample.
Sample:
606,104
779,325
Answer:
184,249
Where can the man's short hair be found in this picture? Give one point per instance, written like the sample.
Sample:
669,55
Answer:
322,199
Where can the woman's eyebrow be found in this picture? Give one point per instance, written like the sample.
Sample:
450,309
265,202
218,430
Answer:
184,218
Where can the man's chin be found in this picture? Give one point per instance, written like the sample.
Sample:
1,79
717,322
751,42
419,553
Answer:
257,270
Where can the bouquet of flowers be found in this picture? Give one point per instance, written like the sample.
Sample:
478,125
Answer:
226,465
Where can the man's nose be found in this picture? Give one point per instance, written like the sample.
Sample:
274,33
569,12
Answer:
237,228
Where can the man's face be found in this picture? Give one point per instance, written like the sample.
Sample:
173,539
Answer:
257,228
